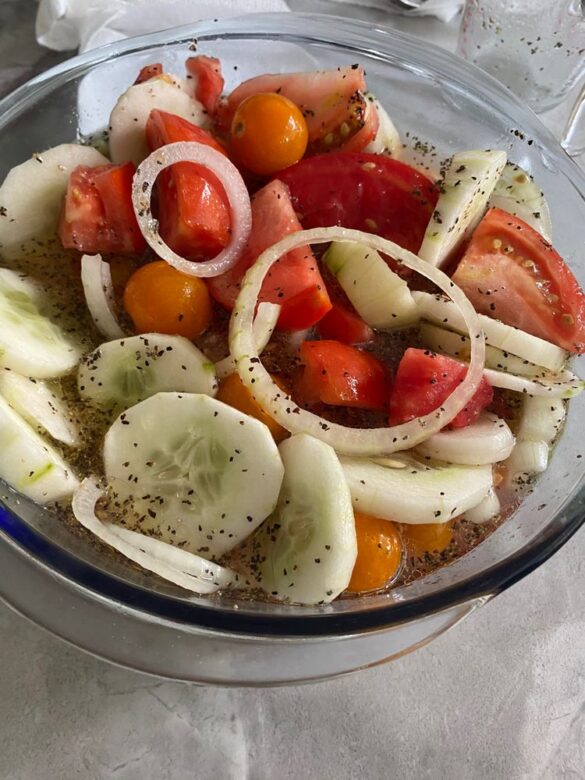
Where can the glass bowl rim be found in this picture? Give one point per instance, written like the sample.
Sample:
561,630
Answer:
361,37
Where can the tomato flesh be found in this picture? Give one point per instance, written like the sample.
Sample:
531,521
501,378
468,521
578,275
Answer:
208,80
424,380
340,375
331,101
341,324
193,209
370,192
511,273
294,281
97,214
149,72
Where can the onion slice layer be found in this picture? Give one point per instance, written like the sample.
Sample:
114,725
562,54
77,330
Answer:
96,279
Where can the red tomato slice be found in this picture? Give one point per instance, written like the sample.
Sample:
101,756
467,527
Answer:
97,214
340,375
424,380
510,272
149,72
193,209
369,192
294,281
332,102
341,324
209,80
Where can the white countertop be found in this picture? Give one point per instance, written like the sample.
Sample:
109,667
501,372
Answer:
502,695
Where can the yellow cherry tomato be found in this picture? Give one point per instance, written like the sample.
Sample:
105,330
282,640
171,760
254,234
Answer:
379,553
160,299
426,537
268,133
233,392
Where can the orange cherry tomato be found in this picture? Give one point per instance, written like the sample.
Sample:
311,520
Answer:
426,537
160,299
233,391
379,553
268,133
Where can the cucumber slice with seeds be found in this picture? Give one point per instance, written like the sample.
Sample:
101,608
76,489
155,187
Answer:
198,473
467,185
380,296
119,374
30,343
309,543
29,464
517,193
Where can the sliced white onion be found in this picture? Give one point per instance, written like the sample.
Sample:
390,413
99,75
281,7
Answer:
486,510
562,385
264,324
542,418
96,279
489,440
180,567
231,181
527,458
349,441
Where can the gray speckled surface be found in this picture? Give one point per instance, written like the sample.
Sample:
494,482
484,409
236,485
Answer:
500,696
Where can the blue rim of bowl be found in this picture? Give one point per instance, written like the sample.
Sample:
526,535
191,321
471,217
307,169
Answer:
358,37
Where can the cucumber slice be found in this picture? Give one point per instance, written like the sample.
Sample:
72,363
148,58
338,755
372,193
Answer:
489,440
443,312
32,193
198,473
387,139
415,494
380,297
309,543
516,193
40,405
456,344
466,187
130,114
541,419
29,464
488,509
29,342
119,374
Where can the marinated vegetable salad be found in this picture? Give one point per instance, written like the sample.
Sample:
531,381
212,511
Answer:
253,351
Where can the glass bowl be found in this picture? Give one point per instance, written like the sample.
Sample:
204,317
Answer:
60,582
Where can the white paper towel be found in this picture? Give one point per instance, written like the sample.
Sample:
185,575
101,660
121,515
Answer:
85,24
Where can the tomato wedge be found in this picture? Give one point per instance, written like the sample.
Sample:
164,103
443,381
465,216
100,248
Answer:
208,80
97,214
294,281
424,380
193,209
149,72
332,102
340,375
368,192
510,272
341,324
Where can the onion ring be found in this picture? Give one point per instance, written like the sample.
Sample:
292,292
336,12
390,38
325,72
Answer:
348,441
264,324
231,181
96,279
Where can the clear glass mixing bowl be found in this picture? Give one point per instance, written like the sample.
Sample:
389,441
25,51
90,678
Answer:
63,584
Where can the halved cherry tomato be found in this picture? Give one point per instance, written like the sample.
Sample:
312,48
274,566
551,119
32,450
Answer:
268,133
294,281
426,537
160,299
208,80
341,324
510,272
423,381
379,553
149,72
193,209
97,213
340,375
233,391
332,102
370,192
